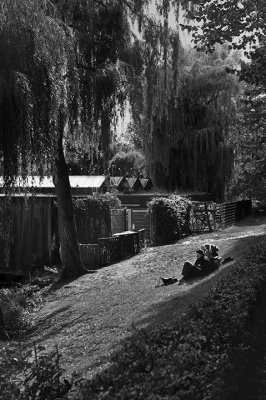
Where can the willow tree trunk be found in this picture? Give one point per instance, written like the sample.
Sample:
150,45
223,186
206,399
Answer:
69,248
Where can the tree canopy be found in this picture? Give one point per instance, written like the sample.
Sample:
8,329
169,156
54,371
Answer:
239,22
240,25
66,68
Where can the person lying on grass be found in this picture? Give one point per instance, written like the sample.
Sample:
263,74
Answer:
201,266
208,260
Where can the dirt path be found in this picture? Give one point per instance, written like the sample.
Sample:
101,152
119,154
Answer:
91,316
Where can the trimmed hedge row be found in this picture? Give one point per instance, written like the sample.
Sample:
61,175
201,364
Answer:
192,360
171,218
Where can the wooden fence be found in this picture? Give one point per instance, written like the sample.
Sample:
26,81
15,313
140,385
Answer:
112,249
203,217
30,241
118,220
34,225
208,217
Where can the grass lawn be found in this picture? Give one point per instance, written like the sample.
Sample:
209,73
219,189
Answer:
90,317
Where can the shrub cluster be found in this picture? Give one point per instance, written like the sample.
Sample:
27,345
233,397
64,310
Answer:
93,207
188,361
16,306
34,374
171,218
109,198
93,218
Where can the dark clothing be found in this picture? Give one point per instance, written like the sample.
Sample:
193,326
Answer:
202,262
189,270
201,266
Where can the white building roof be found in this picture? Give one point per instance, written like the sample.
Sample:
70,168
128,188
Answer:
81,181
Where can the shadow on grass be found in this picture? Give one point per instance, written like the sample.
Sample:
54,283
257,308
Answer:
169,310
58,284
65,282
52,324
252,220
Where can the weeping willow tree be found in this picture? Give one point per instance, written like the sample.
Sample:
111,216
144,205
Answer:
187,146
66,68
38,104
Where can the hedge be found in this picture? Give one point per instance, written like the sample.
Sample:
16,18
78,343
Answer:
171,218
194,359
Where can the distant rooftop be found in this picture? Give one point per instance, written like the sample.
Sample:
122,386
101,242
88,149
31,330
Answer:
81,181
116,180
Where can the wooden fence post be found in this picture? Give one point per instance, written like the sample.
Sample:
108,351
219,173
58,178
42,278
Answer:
129,219
3,332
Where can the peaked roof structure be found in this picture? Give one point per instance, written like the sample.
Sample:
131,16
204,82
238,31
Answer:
146,183
134,183
116,180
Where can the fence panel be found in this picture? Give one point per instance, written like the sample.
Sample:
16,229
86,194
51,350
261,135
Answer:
118,220
129,244
140,219
243,209
31,236
110,249
91,256
141,238
203,217
229,214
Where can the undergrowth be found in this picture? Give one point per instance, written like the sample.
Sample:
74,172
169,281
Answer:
31,375
17,305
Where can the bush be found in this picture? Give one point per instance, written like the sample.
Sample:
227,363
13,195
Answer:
16,305
93,218
191,360
34,374
171,217
109,198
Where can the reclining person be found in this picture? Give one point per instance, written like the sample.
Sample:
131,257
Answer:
201,266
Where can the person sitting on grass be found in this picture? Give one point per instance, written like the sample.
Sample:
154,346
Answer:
200,267
211,251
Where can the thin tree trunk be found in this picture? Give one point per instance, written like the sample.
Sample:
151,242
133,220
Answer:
69,248
3,332
105,137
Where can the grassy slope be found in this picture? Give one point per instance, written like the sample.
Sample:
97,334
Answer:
91,316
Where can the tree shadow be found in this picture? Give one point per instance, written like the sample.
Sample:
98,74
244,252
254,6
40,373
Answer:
58,284
252,220
170,310
46,329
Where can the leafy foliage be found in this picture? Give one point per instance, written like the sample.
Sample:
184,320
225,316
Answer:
241,23
109,198
94,213
171,218
16,307
35,55
187,145
66,71
248,137
34,374
131,163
